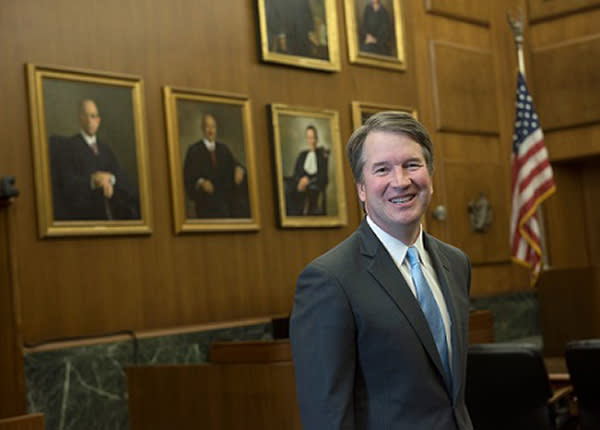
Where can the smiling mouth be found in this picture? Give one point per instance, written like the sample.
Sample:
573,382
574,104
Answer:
402,200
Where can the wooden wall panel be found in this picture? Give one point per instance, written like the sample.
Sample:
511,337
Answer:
493,279
220,396
481,61
547,9
469,10
12,375
573,143
567,83
565,219
468,181
567,28
461,94
591,187
89,286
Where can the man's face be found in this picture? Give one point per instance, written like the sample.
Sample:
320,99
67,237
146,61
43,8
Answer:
210,128
89,118
311,139
397,186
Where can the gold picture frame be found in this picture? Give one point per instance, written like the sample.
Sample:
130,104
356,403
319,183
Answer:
310,193
211,194
301,33
98,187
362,110
375,34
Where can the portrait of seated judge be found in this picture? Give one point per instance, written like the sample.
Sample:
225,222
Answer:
307,188
214,171
376,27
297,27
88,180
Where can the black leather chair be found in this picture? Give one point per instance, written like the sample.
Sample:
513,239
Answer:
508,388
583,362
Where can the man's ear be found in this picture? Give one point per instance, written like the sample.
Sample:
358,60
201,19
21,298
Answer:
360,191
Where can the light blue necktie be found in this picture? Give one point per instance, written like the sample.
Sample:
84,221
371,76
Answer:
430,308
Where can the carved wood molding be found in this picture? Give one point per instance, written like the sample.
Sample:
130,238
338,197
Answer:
464,91
567,83
472,11
540,10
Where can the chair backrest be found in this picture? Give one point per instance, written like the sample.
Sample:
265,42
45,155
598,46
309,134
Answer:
583,362
508,387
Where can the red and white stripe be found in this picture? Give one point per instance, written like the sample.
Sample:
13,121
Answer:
533,182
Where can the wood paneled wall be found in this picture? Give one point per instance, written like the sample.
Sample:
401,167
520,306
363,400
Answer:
565,75
467,69
12,373
87,286
461,73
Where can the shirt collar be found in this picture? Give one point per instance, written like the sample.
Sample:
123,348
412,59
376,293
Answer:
397,248
209,145
90,140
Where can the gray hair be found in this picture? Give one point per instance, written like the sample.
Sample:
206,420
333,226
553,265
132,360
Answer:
391,122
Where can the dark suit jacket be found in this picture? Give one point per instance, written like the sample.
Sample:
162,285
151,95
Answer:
377,23
364,356
227,200
72,163
294,19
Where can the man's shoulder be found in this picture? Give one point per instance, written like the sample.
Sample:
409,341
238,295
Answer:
322,152
220,146
196,147
74,138
441,246
341,255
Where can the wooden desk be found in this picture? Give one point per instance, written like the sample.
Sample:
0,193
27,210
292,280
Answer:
569,302
481,326
213,396
23,422
249,385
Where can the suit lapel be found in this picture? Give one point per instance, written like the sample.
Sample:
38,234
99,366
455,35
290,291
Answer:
442,269
384,270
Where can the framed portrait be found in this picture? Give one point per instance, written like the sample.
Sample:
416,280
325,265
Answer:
362,110
90,156
375,33
300,33
211,157
308,167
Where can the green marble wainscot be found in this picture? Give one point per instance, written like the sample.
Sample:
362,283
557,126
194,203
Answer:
85,387
516,315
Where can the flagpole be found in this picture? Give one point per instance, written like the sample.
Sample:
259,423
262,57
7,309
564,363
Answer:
517,29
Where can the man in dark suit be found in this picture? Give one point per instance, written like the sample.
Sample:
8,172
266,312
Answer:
214,180
87,181
310,180
376,29
290,27
379,325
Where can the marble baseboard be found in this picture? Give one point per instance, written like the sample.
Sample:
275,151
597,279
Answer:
516,316
86,388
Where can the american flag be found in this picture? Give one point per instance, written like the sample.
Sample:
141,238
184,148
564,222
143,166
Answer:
532,182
